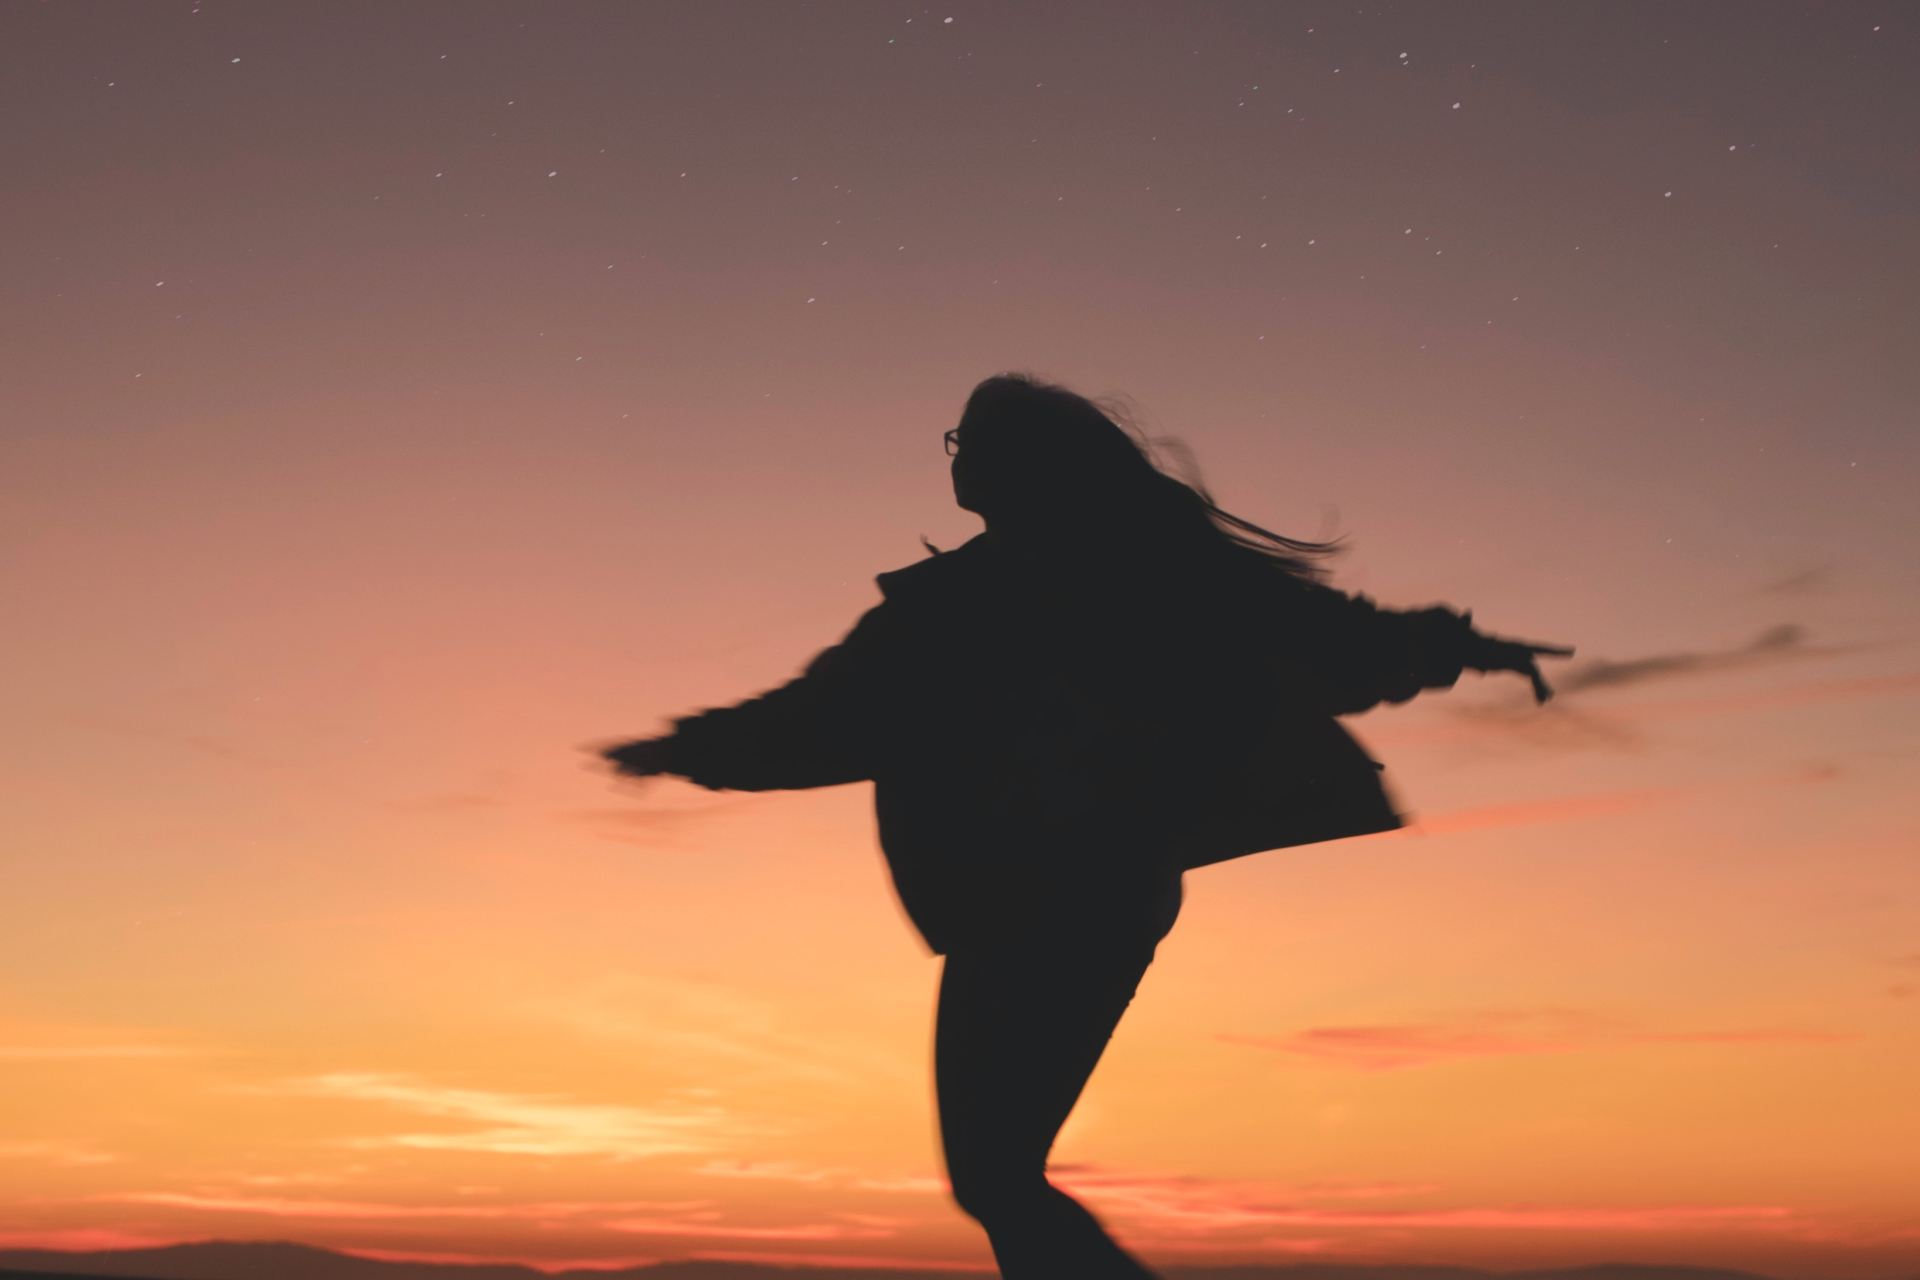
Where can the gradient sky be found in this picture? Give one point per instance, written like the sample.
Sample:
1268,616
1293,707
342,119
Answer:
399,395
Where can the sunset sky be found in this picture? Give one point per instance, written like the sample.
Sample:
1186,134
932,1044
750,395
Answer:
396,396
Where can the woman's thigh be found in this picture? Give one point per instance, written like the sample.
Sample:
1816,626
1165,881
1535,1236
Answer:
1018,1032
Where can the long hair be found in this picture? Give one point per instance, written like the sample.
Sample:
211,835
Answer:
1050,458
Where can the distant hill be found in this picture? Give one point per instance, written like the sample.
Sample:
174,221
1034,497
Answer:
272,1260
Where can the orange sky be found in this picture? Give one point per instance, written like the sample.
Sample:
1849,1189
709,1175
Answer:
386,415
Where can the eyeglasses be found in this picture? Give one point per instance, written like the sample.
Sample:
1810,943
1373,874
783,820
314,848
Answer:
952,439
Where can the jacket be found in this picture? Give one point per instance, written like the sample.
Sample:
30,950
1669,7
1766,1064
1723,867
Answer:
1054,735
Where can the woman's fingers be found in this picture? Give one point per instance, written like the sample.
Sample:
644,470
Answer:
639,758
1503,653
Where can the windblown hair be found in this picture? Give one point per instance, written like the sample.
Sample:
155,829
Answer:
1055,459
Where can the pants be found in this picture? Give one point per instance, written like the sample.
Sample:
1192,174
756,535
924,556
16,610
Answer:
1020,1026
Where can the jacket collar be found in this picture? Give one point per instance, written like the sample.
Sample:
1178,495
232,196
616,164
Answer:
962,562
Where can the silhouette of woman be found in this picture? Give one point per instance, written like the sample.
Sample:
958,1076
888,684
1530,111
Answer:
1114,683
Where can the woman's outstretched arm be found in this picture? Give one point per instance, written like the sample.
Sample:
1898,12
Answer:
812,731
1364,655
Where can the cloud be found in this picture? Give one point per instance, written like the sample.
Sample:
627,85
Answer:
1785,641
374,1210
1799,582
875,1219
63,1153
1604,803
166,733
294,1179
515,1124
776,1170
709,1230
1363,1190
655,823
541,1263
910,1183
851,1261
1188,1204
690,1221
1179,1207
1904,990
489,790
1788,696
1515,723
1541,1217
78,1239
76,1052
1556,809
1520,721
693,1019
1498,1032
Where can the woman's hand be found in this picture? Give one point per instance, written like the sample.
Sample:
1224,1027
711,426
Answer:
638,758
1498,653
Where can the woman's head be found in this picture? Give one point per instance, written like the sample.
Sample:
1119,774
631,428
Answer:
1034,455
1036,460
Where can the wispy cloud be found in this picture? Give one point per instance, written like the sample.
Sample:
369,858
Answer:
1543,1217
1594,804
1189,1204
374,1210
875,1219
1812,691
1362,1190
64,1153
1499,1032
77,1052
850,1261
773,1170
517,1124
303,1179
689,1222
78,1042
1515,723
654,821
542,1263
1904,990
908,1183
1786,641
718,1231
1798,582
1554,809
166,732
694,1020
75,1239
1181,1209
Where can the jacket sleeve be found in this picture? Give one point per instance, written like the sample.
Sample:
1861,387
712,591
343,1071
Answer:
812,731
1360,655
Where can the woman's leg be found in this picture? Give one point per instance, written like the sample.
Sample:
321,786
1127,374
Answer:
1016,1037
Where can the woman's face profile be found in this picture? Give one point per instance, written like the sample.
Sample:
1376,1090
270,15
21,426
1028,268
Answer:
992,477
966,474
